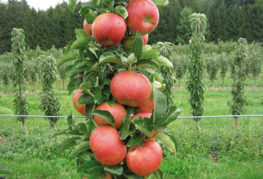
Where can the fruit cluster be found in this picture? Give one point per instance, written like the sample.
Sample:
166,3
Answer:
134,90
109,29
120,88
128,88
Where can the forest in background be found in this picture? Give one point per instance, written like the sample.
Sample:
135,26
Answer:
228,20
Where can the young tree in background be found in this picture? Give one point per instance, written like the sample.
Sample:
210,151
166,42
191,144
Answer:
18,49
49,101
238,75
196,65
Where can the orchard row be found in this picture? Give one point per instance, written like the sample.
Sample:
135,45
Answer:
217,58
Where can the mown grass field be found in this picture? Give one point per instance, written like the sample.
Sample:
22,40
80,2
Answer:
220,152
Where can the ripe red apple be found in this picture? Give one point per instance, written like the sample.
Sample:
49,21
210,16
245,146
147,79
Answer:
147,115
117,111
87,27
143,16
108,176
131,88
145,39
106,145
144,159
81,108
108,29
147,107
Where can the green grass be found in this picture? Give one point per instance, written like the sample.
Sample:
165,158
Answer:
220,152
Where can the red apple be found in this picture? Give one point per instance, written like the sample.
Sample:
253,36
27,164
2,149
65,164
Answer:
81,108
117,111
106,145
108,29
144,159
145,39
147,115
87,27
131,88
147,107
143,16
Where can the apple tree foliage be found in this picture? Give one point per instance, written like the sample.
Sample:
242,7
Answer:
49,101
18,51
91,66
238,68
196,65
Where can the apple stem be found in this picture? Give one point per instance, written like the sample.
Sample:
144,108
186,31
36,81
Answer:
130,67
145,177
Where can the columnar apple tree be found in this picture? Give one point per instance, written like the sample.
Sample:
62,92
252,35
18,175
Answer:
18,50
49,100
238,68
196,65
119,88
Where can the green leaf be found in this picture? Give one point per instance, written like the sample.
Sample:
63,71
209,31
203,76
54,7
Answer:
160,104
92,169
145,125
72,55
134,176
124,131
148,64
60,132
90,16
67,144
135,140
117,170
152,53
166,141
5,170
106,115
71,5
109,57
97,95
82,147
81,128
85,99
82,40
71,121
131,59
121,10
172,116
156,175
73,84
164,61
137,45
161,3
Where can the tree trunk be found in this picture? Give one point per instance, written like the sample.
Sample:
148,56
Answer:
179,81
24,126
198,127
63,84
6,88
236,123
223,81
55,126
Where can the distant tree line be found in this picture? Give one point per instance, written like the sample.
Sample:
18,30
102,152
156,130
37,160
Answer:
227,20
54,26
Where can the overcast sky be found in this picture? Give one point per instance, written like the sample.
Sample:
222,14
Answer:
43,4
